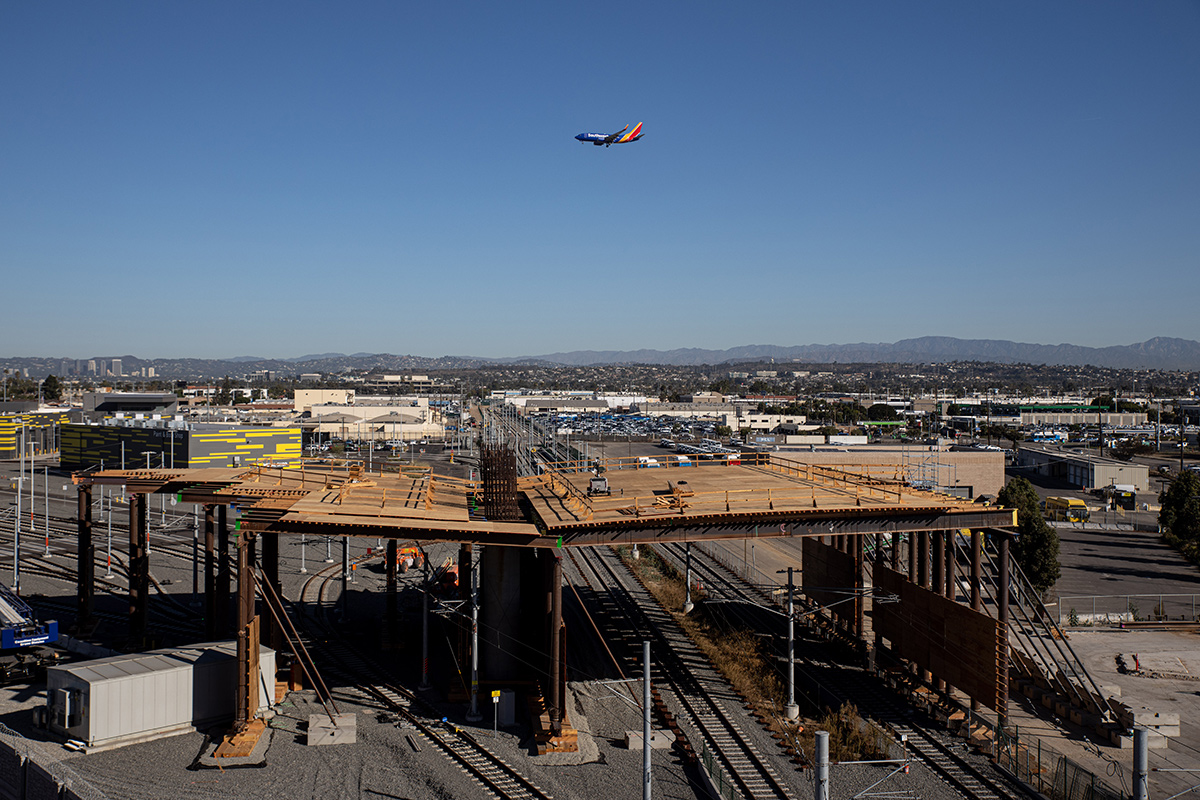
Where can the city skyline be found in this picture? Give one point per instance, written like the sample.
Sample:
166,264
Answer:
199,181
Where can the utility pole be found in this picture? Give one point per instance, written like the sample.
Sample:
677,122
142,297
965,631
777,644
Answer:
646,720
791,711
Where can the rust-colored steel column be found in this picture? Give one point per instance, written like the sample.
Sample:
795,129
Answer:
939,582
923,559
876,636
270,568
391,623
976,570
210,571
859,585
976,580
939,562
912,558
86,566
247,634
948,572
1002,648
139,570
556,661
465,561
224,578
895,554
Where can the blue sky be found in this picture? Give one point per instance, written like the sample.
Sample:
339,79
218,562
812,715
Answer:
220,179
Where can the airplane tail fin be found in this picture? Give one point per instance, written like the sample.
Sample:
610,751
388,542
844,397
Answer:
633,135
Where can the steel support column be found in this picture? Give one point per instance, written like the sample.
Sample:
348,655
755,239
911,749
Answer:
86,567
139,570
391,622
951,561
247,635
465,564
210,571
1002,648
939,582
859,586
976,581
270,568
224,577
923,559
556,645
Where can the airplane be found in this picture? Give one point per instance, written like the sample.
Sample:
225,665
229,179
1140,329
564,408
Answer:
620,137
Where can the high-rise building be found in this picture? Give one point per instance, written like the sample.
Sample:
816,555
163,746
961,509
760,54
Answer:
116,368
150,373
91,366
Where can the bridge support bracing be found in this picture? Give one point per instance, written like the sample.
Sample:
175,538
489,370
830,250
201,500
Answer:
139,570
210,571
224,577
86,591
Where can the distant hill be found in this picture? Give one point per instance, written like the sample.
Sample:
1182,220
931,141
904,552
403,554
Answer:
1157,353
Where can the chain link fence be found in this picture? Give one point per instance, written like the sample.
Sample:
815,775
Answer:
1049,771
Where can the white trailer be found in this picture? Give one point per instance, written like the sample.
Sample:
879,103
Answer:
124,699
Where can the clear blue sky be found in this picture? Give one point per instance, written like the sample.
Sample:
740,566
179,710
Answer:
218,179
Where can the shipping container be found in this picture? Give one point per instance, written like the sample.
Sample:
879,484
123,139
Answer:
124,699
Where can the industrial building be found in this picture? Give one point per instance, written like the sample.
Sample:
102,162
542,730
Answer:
99,405
1082,470
38,430
176,445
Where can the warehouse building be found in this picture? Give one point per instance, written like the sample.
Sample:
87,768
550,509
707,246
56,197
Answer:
98,405
1082,470
38,430
176,445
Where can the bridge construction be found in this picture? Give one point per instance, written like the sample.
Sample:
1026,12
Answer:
525,523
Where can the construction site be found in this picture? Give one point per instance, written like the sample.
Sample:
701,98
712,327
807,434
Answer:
515,569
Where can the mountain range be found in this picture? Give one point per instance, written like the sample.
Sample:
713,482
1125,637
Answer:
1158,353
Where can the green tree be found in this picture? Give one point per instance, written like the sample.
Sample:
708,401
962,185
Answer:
1036,547
882,412
51,389
1180,514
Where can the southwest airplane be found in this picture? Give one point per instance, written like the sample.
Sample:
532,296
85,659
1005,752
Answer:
620,137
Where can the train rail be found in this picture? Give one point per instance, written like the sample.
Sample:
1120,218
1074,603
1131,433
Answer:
865,691
697,689
338,656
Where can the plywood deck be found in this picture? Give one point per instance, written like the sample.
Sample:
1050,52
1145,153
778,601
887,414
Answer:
414,503
716,488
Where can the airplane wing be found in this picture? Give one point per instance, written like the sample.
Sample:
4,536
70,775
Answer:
612,137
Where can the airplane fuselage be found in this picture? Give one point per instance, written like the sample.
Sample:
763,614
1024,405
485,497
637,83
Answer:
594,138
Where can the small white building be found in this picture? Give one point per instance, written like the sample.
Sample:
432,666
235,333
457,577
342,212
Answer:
124,699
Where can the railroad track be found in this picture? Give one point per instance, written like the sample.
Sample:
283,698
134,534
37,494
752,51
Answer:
696,687
370,680
872,699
